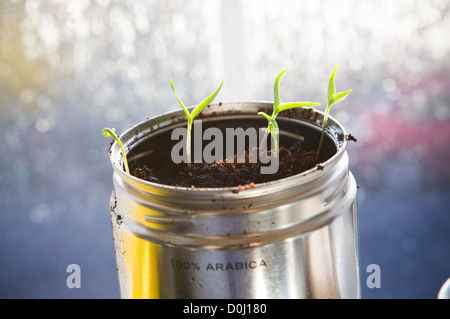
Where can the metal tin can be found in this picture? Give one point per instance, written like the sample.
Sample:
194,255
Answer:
296,237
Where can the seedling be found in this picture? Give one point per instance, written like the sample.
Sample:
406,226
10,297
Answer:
272,127
191,116
333,98
108,132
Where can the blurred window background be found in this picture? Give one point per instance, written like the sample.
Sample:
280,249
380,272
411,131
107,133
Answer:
70,68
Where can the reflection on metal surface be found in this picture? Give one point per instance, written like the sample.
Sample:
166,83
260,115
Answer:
444,292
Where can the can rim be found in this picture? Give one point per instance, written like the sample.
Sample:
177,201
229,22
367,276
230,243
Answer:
235,190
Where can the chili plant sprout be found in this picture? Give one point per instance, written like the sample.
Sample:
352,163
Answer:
279,107
108,132
333,98
191,116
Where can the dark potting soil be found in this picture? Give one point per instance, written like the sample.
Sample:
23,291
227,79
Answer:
292,160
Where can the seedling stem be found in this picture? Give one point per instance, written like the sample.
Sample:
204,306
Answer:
108,132
333,98
190,116
278,107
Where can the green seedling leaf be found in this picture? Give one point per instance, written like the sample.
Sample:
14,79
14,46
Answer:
331,85
338,97
199,108
191,116
108,132
278,107
333,98
276,89
188,115
287,106
268,118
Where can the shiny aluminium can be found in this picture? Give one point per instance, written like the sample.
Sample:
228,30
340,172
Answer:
296,237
